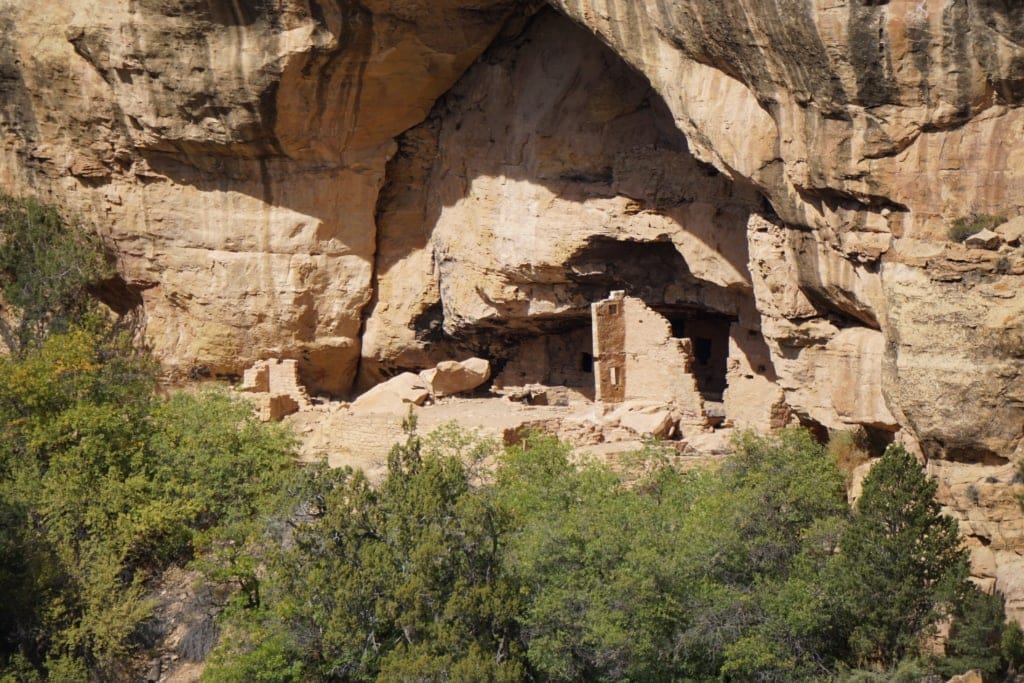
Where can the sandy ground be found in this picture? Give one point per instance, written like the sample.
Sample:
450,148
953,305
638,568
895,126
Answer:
341,436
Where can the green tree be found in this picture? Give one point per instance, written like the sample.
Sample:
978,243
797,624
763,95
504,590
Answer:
1011,646
594,560
46,266
103,486
402,581
555,568
976,635
757,542
901,569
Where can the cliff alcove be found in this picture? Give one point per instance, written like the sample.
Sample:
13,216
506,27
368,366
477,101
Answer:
577,182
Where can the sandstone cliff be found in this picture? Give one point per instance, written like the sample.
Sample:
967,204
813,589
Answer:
369,187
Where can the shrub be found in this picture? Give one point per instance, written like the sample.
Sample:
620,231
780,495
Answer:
973,494
976,636
103,485
46,265
848,450
1012,646
965,226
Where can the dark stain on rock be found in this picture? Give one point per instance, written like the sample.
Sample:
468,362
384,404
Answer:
17,115
238,12
868,54
997,21
957,54
267,115
919,38
119,296
429,324
353,25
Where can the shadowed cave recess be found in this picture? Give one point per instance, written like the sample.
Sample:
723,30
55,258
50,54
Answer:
549,176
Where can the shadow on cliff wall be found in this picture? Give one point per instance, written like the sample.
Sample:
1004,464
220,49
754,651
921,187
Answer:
547,107
555,120
554,108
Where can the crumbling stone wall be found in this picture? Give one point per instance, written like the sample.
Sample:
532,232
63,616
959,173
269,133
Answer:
753,399
564,360
277,384
636,358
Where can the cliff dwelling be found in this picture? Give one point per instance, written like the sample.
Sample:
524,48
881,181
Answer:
640,356
709,343
276,389
556,359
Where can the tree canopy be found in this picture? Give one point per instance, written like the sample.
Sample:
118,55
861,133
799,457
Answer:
103,483
903,569
558,570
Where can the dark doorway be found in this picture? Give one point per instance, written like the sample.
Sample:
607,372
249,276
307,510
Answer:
709,339
587,363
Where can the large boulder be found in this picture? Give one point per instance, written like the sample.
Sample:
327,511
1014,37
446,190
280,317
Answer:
454,377
393,396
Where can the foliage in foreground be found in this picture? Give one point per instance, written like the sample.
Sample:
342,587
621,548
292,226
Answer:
102,486
46,267
558,571
547,571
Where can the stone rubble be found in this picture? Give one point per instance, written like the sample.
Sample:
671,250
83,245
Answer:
1012,231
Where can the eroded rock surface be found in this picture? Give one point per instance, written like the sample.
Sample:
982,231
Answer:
231,153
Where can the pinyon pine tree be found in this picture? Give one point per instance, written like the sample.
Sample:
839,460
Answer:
901,564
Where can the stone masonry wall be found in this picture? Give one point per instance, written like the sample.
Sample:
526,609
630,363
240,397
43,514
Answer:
610,349
636,358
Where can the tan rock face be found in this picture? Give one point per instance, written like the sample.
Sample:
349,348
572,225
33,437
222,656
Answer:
955,349
548,176
985,500
231,154
861,106
234,157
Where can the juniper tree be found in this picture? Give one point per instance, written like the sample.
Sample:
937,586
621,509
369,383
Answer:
46,267
901,567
